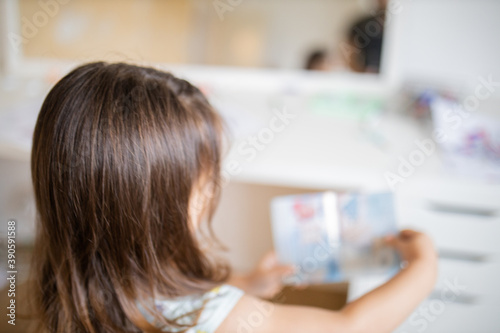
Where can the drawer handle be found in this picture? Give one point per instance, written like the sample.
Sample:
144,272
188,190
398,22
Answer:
462,298
463,210
463,256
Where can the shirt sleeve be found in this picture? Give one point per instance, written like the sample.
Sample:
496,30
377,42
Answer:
220,302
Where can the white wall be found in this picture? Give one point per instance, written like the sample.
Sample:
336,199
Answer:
451,40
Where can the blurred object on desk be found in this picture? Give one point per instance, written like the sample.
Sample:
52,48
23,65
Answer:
469,139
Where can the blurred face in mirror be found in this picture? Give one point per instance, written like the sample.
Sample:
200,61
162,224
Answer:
318,61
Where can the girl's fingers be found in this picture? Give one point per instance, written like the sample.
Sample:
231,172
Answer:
269,260
393,241
284,270
407,233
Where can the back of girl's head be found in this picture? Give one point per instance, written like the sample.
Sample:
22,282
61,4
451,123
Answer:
118,151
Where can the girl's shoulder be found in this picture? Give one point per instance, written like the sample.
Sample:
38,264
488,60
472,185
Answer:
216,305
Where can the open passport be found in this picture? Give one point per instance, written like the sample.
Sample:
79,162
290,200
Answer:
332,237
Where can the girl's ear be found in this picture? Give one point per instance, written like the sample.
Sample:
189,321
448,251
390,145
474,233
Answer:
200,197
196,208
203,195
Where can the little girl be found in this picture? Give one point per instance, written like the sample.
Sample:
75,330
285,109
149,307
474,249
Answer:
126,173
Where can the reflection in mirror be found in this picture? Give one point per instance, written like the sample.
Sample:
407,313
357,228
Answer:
321,35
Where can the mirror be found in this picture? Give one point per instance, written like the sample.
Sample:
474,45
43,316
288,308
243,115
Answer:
322,35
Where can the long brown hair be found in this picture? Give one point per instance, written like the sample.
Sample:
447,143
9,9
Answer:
117,152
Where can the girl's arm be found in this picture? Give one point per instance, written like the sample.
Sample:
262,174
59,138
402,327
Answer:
381,310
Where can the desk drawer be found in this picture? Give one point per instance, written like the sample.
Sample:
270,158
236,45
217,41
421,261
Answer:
434,316
468,282
474,230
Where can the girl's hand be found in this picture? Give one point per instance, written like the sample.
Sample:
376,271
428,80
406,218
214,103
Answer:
414,246
266,280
